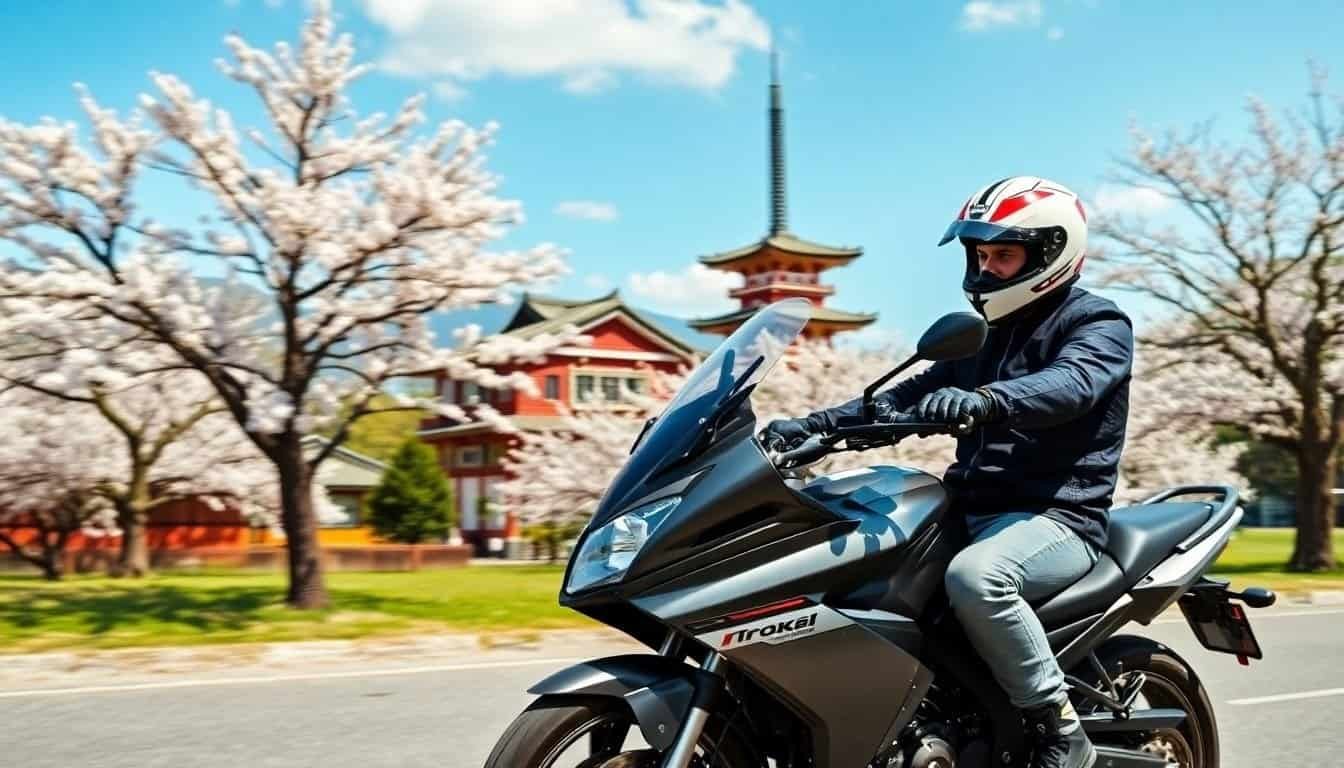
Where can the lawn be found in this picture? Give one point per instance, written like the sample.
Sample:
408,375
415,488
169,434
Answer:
1255,558
188,609
88,612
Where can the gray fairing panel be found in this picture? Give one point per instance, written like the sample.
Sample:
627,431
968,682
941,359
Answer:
868,544
848,684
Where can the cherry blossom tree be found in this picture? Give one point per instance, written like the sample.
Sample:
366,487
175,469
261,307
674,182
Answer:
1253,275
95,366
158,440
45,485
1170,441
352,229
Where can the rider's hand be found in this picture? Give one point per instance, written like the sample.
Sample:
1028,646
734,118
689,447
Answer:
786,434
951,405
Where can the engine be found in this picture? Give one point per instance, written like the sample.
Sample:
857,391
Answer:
935,740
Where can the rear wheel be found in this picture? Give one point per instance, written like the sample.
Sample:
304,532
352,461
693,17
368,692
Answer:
569,732
1169,683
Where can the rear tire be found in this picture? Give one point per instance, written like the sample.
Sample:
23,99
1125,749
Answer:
552,725
1171,682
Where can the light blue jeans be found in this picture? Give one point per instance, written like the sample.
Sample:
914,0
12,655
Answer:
1014,558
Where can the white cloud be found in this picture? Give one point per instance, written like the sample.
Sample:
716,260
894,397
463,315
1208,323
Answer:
1055,33
591,210
587,45
449,91
695,291
597,282
1111,200
988,14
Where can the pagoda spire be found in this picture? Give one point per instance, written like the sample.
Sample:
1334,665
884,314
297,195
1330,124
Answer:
779,210
782,265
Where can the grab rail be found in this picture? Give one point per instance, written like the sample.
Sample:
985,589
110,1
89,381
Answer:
1228,498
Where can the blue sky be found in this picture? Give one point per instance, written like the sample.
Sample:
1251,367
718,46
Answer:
654,127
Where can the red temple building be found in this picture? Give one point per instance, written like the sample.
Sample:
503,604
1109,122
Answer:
627,349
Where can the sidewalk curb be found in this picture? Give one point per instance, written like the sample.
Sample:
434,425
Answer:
24,668
150,662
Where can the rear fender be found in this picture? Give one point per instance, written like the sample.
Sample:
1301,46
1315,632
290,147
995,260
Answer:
659,690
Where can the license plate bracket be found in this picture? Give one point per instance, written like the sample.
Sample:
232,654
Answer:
1220,624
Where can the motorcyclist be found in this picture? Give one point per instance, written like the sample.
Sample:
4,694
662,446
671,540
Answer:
1049,395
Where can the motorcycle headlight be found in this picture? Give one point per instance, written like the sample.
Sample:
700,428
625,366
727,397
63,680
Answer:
607,552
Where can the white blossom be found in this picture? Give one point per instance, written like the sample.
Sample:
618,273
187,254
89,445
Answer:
340,233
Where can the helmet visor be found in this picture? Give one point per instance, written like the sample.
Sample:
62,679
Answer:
987,232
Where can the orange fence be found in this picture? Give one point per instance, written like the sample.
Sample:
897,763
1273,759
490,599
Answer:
374,557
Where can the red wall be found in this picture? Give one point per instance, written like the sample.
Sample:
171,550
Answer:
178,525
616,334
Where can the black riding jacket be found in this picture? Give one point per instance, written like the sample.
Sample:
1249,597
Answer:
1060,380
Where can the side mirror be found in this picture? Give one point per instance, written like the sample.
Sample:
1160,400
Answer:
953,337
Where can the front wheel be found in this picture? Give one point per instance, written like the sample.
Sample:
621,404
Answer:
1169,683
571,732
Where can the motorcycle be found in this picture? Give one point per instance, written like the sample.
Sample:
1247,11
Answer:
803,623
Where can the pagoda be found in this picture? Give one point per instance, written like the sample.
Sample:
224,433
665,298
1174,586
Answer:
782,265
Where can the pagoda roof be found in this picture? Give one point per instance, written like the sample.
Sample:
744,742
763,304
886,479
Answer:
819,314
789,243
538,315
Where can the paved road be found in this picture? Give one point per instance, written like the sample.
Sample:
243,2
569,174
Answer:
447,716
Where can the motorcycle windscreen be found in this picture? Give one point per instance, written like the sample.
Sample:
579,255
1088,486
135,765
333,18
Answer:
741,361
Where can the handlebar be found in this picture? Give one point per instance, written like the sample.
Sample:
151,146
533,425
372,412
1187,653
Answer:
897,426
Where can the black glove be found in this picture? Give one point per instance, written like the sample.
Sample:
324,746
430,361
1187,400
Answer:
950,405
787,434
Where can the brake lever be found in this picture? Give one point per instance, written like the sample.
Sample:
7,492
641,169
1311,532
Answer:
813,448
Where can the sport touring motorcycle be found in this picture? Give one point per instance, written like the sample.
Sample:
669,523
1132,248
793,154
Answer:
804,623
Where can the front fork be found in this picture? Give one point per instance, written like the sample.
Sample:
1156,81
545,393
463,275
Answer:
706,694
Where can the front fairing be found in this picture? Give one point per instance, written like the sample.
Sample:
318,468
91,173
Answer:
733,499
695,417
709,420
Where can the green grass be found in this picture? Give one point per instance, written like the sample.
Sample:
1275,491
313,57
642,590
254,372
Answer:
88,612
1255,557
190,609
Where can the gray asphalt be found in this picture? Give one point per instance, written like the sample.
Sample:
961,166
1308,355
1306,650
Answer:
450,719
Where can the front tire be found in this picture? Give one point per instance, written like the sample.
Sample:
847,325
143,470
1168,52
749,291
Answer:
567,731
1171,682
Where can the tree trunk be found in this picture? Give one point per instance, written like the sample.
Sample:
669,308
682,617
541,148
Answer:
307,588
49,557
1315,549
51,565
133,559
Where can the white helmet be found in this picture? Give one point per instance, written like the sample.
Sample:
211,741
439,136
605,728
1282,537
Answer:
1045,217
